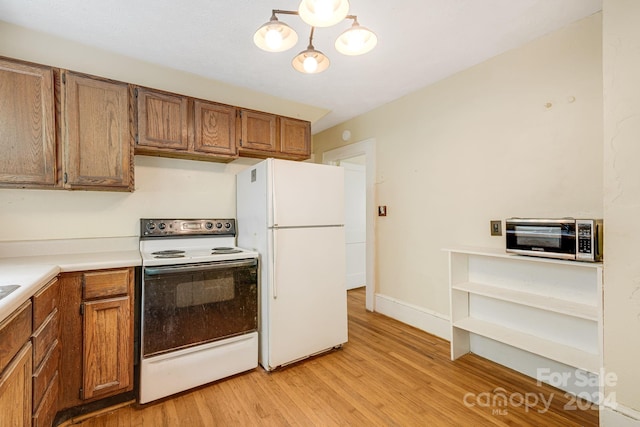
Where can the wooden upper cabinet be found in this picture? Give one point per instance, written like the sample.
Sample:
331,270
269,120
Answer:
258,131
295,137
268,135
97,144
27,125
214,128
162,120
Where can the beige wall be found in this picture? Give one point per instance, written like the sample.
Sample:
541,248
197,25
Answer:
164,187
518,135
621,58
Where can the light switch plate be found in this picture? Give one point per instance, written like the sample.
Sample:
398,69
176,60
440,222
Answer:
382,211
496,228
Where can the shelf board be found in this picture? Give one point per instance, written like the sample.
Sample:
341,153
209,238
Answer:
550,349
557,305
501,253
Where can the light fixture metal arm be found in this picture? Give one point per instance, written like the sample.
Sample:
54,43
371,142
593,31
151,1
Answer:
311,38
283,12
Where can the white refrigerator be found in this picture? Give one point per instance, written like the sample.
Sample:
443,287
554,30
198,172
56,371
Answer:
292,213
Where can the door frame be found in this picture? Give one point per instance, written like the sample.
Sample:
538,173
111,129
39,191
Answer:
368,149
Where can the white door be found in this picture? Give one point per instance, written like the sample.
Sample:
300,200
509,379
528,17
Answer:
307,298
355,220
306,194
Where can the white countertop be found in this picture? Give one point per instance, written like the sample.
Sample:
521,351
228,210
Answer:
30,278
33,264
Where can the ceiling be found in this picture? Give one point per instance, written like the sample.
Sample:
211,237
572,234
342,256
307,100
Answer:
419,41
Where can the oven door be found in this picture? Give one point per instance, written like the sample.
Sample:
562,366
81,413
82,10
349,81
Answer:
190,304
553,238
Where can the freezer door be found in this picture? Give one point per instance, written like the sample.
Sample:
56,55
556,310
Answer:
307,294
306,194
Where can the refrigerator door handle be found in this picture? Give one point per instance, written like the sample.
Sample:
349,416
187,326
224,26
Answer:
274,259
272,182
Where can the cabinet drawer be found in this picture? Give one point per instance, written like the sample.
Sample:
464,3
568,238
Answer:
14,332
44,301
44,337
102,284
44,374
44,414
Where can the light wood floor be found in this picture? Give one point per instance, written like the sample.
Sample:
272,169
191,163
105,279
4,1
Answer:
388,374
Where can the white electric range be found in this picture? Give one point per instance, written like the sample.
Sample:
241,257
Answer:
199,308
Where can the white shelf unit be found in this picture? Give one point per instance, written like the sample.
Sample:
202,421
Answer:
550,308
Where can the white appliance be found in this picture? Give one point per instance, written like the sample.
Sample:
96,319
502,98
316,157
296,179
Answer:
199,305
292,213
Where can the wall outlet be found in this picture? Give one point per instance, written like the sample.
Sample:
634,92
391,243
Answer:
496,227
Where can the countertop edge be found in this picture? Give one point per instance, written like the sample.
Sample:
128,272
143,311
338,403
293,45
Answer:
33,272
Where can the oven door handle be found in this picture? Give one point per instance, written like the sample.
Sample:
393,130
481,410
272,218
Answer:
188,268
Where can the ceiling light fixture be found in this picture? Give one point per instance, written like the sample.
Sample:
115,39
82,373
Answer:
276,36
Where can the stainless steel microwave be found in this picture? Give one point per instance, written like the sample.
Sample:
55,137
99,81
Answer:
565,238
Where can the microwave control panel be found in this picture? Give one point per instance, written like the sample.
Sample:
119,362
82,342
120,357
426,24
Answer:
589,239
585,238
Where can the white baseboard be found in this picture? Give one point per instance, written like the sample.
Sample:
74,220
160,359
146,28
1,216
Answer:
418,317
619,416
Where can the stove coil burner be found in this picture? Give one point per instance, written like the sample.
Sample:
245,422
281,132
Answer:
225,250
169,253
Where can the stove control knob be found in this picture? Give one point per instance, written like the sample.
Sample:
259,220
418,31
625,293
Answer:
162,226
208,225
218,225
151,226
227,225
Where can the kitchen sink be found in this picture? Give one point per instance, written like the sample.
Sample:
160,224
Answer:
7,289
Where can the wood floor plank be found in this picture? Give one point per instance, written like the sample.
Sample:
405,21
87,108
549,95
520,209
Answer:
388,374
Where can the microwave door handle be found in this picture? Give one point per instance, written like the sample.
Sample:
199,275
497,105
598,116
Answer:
190,268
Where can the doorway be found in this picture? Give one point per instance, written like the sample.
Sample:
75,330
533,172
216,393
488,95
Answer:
359,162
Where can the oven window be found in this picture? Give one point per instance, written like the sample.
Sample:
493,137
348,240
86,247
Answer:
189,305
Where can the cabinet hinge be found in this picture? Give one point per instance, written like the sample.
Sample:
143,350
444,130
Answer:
65,178
240,113
64,78
81,393
240,142
81,309
137,139
135,92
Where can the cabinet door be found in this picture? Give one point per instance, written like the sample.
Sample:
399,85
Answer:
27,125
258,131
295,137
162,120
107,351
15,390
98,148
215,128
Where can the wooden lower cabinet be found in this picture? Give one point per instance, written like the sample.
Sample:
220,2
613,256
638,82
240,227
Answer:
97,353
108,346
15,390
46,353
16,367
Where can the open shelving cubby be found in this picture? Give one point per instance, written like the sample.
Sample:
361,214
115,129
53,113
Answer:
545,307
